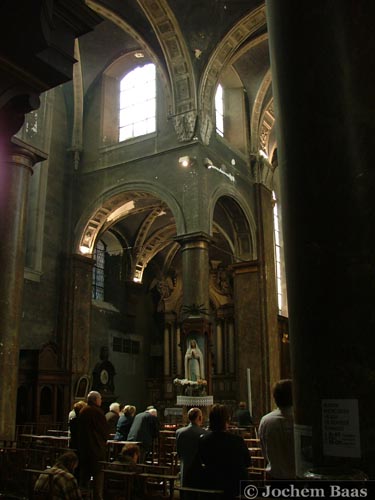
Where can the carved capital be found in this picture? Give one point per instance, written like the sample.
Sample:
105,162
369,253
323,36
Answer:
184,125
262,171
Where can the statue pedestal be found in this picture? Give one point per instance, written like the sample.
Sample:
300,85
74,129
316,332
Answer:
202,402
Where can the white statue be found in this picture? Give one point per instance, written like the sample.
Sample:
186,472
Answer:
194,364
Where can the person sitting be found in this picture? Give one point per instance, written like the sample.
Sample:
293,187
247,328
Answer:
243,416
112,417
63,484
276,434
225,456
124,423
129,457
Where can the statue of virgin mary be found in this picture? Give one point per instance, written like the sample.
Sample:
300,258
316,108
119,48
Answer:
194,363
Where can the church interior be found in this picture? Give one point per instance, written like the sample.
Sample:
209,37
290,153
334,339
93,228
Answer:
182,174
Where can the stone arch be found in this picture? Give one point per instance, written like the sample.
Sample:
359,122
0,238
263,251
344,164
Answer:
116,202
122,24
223,54
179,64
255,123
239,201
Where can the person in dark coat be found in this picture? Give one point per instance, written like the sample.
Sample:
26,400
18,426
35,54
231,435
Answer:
225,456
243,416
145,428
92,441
112,417
187,444
124,423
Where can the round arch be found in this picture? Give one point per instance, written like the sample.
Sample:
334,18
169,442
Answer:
96,215
237,198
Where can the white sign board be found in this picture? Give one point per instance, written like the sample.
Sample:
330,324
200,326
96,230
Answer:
341,436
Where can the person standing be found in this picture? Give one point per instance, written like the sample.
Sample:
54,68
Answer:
276,434
187,446
92,440
112,417
145,428
224,455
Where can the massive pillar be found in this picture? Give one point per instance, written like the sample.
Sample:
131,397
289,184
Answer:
16,162
322,57
195,269
255,302
195,309
75,334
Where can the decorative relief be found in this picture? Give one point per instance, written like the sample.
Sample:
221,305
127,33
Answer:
255,117
184,125
262,171
266,125
178,59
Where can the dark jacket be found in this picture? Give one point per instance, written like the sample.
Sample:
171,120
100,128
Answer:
145,428
92,434
226,458
112,418
123,427
187,446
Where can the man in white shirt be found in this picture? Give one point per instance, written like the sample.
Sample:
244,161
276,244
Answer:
276,434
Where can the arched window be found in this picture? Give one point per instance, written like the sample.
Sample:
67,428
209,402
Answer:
138,102
276,225
219,110
98,271
231,114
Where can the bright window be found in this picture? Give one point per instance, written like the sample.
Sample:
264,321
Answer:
219,110
98,271
276,224
138,102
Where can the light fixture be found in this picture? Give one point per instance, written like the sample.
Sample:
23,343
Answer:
139,55
207,163
186,161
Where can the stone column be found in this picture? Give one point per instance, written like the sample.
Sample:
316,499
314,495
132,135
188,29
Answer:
195,308
75,334
195,269
17,160
219,348
167,351
322,70
251,341
263,174
178,352
231,353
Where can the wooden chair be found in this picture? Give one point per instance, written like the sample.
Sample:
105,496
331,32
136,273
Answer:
158,486
118,484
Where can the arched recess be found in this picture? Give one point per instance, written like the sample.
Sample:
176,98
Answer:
114,205
180,82
221,57
257,110
121,23
179,65
242,212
